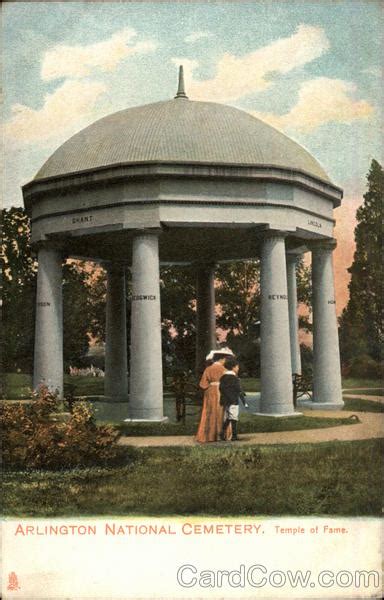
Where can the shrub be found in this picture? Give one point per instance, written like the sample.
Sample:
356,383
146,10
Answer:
34,435
365,366
306,354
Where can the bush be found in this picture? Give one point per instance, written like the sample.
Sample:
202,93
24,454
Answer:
34,436
365,366
306,354
247,350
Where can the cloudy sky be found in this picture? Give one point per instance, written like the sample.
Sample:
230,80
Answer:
311,69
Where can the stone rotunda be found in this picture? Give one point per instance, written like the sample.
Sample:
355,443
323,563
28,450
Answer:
184,182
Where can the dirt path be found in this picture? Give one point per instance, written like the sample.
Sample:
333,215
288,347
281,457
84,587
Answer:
371,426
365,397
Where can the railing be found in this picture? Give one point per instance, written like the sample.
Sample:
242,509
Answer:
301,386
186,392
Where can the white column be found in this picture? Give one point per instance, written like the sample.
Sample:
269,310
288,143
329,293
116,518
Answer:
276,378
293,318
48,356
146,376
205,314
326,356
116,381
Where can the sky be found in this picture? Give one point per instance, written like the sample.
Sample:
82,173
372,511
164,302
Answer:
311,69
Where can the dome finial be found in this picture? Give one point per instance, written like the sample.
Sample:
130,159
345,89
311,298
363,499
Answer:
181,90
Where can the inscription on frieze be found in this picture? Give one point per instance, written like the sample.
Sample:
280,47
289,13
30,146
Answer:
315,224
43,304
144,297
331,301
277,297
82,220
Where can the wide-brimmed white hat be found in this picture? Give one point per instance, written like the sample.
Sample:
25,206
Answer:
212,353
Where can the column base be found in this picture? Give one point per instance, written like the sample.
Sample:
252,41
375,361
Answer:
53,389
313,405
285,414
110,410
161,420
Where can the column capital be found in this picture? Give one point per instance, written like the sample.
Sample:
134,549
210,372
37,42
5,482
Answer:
292,257
269,234
147,231
323,246
56,247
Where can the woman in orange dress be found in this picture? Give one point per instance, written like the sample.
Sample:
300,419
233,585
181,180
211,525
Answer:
211,421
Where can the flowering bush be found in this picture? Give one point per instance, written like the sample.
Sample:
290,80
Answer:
34,436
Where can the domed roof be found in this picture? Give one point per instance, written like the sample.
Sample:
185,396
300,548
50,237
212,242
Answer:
179,131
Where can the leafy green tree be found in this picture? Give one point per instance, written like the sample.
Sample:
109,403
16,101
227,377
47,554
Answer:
18,286
178,300
238,294
238,297
97,292
304,293
18,290
76,313
361,323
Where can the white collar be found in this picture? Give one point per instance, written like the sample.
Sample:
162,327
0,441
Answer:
230,373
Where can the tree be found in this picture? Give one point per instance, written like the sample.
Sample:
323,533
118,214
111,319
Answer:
18,286
238,294
18,289
361,323
76,313
97,291
178,300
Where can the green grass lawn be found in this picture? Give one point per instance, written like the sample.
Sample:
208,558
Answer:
18,386
84,386
338,478
352,382
362,385
250,384
361,405
367,391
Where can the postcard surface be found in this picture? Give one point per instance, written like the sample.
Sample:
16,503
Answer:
192,383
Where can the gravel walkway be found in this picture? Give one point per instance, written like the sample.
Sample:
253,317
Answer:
365,397
380,389
371,426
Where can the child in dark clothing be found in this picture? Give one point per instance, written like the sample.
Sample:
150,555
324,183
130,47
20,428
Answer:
230,394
